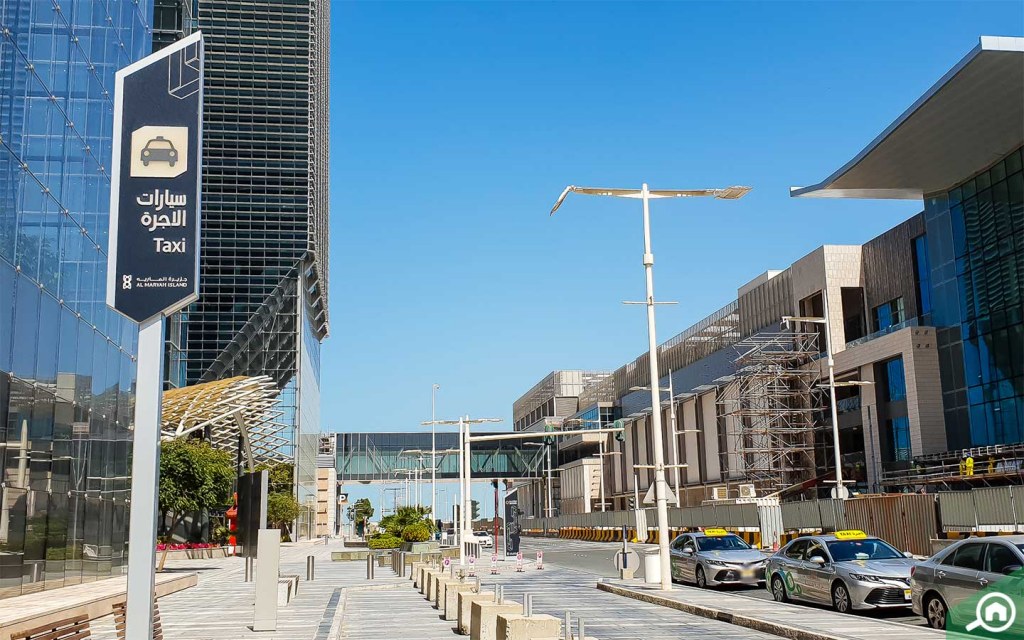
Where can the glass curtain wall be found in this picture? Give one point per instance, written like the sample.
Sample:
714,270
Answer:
67,365
976,251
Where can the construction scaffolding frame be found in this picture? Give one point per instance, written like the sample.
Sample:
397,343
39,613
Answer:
770,407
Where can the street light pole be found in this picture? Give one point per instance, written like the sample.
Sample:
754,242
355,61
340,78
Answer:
433,452
656,428
660,486
841,492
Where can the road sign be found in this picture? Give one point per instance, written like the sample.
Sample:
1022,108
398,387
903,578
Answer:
153,262
153,258
494,564
447,562
626,559
519,562
649,497
540,559
840,492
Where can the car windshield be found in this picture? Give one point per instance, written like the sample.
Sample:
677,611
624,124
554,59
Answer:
723,543
870,549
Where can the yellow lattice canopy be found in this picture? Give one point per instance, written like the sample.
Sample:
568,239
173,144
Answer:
227,411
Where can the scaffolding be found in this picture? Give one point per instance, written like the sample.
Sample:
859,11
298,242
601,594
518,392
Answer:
769,407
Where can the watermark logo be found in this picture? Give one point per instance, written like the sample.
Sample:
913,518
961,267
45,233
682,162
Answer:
995,613
990,612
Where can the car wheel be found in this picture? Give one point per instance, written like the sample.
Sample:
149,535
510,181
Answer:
779,589
841,598
702,579
935,612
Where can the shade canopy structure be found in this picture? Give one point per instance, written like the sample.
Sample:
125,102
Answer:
972,117
242,410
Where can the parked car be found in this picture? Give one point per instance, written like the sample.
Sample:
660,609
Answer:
849,570
958,572
486,539
715,557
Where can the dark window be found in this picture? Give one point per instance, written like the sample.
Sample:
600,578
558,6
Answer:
896,389
796,550
900,429
999,557
922,276
889,314
969,556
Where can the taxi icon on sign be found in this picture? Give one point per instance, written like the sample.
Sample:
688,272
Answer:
159,149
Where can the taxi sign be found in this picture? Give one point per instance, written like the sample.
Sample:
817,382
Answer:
851,534
715,533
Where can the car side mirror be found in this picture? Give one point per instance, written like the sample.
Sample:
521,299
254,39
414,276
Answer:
818,560
1010,569
907,554
687,551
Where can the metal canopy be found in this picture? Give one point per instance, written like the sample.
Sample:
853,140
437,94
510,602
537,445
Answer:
226,409
970,118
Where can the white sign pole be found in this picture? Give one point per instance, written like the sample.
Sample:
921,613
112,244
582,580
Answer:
145,478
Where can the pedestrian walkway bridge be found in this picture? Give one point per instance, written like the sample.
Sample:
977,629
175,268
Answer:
387,457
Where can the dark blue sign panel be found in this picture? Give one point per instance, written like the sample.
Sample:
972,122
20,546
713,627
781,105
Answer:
153,263
513,530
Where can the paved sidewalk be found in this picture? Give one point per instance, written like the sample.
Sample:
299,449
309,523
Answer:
220,607
790,620
392,613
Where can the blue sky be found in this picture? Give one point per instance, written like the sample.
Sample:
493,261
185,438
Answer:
454,127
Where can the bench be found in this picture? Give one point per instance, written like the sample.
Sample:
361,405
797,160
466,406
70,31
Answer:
75,628
287,588
119,621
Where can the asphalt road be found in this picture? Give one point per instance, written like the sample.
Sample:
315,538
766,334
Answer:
598,558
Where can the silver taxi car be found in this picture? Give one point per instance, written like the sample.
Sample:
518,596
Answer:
716,557
849,570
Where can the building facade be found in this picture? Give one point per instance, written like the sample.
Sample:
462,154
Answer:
925,324
264,256
67,361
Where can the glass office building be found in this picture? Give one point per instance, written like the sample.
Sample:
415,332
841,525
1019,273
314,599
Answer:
263,269
67,361
958,148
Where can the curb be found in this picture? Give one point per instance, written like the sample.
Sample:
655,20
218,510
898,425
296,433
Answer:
757,624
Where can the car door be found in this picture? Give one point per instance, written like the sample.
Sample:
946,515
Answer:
688,564
675,551
957,575
817,580
791,562
1001,559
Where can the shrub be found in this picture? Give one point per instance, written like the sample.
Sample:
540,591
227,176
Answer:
385,542
416,533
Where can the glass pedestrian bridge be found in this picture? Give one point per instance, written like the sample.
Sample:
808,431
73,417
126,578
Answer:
389,457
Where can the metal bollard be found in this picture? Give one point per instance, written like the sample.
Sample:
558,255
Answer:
528,604
582,629
248,570
567,628
370,561
310,568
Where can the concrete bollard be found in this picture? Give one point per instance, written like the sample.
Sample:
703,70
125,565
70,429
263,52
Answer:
428,577
451,598
466,600
414,574
440,584
483,618
521,627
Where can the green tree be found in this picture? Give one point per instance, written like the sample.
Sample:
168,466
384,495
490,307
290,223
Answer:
404,517
282,510
280,476
360,512
194,477
474,509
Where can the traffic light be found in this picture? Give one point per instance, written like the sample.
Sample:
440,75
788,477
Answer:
632,503
620,435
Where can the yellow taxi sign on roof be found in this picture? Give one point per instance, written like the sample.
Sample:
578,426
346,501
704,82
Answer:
716,532
850,534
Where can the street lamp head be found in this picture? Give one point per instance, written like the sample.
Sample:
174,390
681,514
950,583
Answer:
731,193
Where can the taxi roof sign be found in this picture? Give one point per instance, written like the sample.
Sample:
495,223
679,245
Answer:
716,533
850,534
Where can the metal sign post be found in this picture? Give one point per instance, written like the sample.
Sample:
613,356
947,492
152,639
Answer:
153,262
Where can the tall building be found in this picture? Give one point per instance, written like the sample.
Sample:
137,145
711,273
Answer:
67,361
926,324
264,256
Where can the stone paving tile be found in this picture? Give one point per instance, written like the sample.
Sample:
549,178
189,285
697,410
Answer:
220,607
385,615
